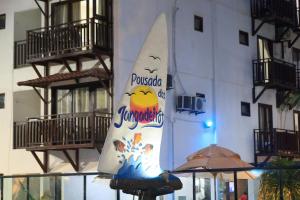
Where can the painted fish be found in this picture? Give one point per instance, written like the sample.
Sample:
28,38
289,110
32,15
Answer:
148,148
137,138
120,146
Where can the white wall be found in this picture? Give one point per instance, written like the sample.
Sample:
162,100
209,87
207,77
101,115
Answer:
212,62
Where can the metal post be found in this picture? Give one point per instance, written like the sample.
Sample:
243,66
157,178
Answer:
194,186
280,185
235,185
84,187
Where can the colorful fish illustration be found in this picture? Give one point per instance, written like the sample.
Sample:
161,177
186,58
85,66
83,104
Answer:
120,146
137,138
148,148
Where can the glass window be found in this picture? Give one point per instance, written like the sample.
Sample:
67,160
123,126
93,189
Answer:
198,23
81,99
60,14
245,109
186,192
64,101
19,188
2,21
72,187
79,11
99,187
2,100
102,100
244,38
100,7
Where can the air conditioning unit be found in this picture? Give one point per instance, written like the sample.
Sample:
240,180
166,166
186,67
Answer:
198,104
184,103
192,104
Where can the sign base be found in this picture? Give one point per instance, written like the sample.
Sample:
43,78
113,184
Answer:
148,189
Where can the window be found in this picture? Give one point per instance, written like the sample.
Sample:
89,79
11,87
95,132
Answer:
2,21
244,38
265,117
81,99
198,23
245,109
2,100
296,120
296,56
264,48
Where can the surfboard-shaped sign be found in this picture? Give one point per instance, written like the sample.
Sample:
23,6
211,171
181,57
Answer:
132,146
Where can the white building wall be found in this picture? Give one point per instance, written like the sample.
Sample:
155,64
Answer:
212,62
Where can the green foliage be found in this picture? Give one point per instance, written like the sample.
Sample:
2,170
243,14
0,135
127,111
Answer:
291,101
270,181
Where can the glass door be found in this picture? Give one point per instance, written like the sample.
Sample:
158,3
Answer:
265,117
265,53
72,100
296,121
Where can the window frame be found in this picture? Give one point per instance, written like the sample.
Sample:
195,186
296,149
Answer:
246,35
201,25
2,95
246,114
4,24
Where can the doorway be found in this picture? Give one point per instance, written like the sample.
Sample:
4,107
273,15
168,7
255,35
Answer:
265,117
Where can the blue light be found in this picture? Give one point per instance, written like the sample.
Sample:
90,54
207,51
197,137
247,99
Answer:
208,124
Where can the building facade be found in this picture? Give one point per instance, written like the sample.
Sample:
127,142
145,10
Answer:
64,65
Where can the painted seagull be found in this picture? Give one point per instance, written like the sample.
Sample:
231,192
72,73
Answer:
151,71
145,92
155,57
129,94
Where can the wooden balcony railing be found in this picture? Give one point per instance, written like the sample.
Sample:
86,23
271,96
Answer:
276,141
274,72
280,10
80,130
69,38
20,53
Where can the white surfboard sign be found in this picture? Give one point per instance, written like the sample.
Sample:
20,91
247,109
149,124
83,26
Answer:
132,146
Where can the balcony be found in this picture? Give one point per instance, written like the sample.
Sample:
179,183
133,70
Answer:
275,11
276,142
80,38
64,131
274,73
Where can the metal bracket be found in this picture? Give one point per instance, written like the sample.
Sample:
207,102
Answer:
282,34
36,71
44,164
108,71
66,64
37,3
254,97
75,163
43,99
291,43
254,29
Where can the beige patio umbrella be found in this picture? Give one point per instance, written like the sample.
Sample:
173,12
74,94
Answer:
215,157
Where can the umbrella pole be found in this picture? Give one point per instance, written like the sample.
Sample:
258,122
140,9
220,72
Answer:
215,184
235,185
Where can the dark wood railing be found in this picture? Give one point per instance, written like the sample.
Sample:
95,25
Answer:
274,72
20,54
276,141
61,131
69,38
283,10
